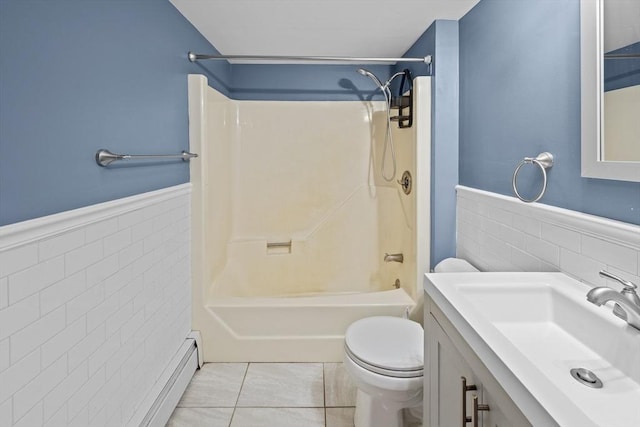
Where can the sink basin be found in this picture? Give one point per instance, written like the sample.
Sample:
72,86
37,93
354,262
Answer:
537,327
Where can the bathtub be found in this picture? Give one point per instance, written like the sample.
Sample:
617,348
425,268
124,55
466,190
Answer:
294,328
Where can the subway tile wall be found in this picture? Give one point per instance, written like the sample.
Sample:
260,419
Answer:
92,312
499,233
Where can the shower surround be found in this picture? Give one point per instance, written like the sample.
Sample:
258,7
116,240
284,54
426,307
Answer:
292,219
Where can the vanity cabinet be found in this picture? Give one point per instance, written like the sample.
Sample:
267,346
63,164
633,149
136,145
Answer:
455,376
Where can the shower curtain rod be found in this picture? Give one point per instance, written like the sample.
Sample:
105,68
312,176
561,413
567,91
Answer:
194,57
621,55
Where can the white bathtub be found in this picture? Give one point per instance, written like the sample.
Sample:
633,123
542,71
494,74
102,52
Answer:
294,328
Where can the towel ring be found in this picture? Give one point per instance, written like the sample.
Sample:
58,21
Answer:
544,161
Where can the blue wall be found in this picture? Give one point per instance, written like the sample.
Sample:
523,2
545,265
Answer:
298,82
76,76
441,41
520,95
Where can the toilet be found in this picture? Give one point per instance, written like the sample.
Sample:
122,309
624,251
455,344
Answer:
383,355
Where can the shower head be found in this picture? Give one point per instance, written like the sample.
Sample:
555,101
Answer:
372,77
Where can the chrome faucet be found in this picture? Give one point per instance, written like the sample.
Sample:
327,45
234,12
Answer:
627,305
393,258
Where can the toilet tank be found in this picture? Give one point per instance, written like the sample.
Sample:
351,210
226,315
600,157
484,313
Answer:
454,265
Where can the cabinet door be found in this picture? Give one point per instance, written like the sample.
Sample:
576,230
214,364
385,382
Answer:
447,367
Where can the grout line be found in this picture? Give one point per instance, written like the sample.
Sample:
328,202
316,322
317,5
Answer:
284,407
324,388
324,395
244,377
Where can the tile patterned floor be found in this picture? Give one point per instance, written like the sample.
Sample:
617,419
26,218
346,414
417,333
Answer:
267,395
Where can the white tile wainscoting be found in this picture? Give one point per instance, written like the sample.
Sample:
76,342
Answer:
500,233
94,303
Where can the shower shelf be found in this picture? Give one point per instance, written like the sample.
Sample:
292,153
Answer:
279,244
401,101
279,248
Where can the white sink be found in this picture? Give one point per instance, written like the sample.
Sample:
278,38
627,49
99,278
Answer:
539,326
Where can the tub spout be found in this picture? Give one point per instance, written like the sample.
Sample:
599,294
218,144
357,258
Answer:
393,258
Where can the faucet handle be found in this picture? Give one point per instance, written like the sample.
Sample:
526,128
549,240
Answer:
629,292
628,286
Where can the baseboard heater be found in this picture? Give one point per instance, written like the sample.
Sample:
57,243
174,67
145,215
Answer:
170,387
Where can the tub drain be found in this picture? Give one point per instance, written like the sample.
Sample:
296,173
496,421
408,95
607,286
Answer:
586,377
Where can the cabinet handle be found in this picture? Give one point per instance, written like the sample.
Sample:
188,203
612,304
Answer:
477,407
465,388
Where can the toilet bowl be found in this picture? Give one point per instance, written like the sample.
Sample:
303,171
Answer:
383,355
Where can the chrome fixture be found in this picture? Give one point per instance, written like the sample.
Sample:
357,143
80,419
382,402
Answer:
384,87
628,286
628,291
394,258
586,377
194,57
105,157
396,284
405,182
373,77
544,161
627,305
388,138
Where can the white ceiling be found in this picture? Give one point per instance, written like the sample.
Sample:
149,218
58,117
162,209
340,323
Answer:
360,28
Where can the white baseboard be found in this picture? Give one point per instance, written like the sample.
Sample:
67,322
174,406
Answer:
156,409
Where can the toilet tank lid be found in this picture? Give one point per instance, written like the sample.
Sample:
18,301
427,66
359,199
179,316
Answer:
454,265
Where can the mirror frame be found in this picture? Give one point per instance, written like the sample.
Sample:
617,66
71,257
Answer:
591,65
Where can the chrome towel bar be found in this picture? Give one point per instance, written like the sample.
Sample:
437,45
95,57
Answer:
105,157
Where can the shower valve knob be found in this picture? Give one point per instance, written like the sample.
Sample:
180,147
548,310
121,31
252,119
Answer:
405,182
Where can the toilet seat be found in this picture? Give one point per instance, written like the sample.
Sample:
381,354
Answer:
389,346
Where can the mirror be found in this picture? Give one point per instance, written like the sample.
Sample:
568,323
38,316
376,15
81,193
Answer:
610,63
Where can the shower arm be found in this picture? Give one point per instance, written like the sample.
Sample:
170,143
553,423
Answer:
388,82
385,87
